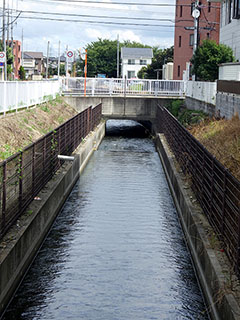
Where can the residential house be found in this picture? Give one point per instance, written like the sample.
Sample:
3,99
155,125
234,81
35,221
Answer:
133,59
230,25
53,62
33,63
184,31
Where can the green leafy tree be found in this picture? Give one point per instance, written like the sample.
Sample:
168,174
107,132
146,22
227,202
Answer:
22,73
207,57
102,57
160,57
9,57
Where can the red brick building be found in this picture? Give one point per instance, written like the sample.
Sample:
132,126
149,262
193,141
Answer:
184,34
17,57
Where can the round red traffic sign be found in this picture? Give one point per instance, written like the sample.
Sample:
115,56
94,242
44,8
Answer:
70,54
2,55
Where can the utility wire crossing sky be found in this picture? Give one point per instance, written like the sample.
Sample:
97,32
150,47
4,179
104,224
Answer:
78,22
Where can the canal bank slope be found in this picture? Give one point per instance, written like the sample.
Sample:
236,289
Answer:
220,286
20,245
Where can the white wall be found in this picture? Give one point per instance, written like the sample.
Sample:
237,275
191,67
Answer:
229,72
133,67
202,91
230,32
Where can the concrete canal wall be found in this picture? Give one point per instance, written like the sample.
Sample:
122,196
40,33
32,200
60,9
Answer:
22,242
211,265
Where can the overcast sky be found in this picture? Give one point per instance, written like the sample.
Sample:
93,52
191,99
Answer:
77,34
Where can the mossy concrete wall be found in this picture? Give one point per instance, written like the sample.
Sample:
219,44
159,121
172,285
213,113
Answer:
20,245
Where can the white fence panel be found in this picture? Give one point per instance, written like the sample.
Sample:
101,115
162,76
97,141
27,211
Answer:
22,94
202,91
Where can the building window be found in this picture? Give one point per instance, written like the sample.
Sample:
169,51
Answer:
143,62
180,41
191,39
178,71
131,61
208,35
229,11
236,9
181,11
209,6
131,74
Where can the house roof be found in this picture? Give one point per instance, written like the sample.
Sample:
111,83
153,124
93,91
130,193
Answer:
136,53
26,56
33,55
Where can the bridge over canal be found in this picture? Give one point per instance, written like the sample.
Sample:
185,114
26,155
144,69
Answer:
122,98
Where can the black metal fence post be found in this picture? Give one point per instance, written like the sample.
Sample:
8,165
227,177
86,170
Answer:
20,179
4,195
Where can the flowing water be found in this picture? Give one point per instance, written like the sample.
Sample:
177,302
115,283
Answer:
116,250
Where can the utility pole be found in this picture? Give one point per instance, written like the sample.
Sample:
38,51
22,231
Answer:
12,44
59,48
85,74
22,53
196,15
66,64
47,59
118,56
8,24
4,40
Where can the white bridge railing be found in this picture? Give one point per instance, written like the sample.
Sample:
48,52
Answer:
121,87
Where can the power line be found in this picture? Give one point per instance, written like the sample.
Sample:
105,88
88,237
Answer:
96,16
131,3
104,17
83,7
122,3
98,22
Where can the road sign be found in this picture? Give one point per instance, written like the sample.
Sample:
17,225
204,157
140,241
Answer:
1,64
70,54
2,56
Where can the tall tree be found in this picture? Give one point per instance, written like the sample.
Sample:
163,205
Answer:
102,57
9,57
160,57
207,57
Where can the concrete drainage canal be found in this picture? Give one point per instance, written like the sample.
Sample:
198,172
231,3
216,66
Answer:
116,250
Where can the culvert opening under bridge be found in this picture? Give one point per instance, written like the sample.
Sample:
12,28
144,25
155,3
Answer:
116,249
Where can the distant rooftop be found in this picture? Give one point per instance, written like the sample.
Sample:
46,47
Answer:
136,53
33,55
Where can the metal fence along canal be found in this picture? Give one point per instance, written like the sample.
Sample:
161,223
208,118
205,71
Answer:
24,174
216,189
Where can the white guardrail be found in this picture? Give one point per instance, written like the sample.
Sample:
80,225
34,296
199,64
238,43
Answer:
15,95
110,87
